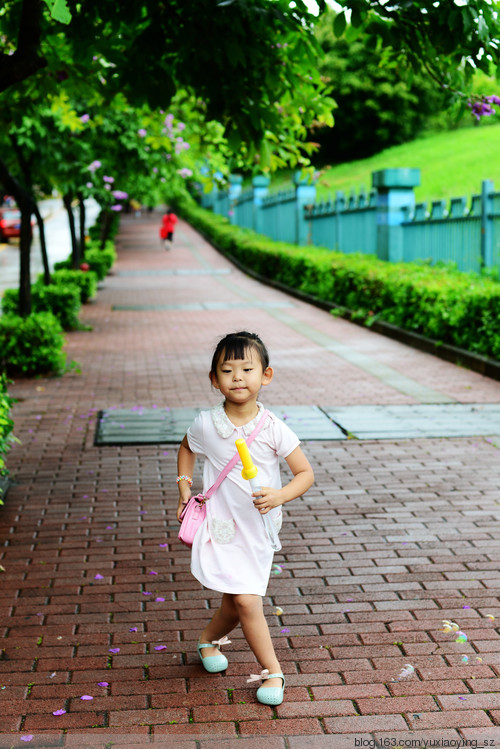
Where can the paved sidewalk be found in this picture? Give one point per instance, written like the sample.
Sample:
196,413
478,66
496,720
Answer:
395,536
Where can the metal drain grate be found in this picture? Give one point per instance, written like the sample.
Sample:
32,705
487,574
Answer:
422,420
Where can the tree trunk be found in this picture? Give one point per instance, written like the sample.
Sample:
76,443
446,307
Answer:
75,254
107,218
25,206
43,244
81,206
24,202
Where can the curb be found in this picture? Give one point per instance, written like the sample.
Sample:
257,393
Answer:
461,357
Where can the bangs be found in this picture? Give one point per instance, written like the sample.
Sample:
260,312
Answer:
235,349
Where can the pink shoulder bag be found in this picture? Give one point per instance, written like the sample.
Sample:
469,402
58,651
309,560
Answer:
194,512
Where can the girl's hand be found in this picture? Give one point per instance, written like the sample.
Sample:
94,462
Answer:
267,498
183,500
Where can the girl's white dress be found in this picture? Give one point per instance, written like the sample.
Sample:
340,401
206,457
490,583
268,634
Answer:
231,552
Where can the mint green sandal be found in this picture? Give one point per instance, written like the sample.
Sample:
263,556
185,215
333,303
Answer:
214,663
269,695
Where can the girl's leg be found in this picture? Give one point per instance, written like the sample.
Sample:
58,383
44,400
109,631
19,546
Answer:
223,621
256,631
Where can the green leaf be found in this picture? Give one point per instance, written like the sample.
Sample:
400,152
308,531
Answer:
59,10
339,24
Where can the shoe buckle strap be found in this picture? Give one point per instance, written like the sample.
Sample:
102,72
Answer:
258,677
223,641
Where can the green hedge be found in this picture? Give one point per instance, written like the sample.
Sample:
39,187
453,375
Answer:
63,300
86,281
99,261
443,304
6,426
31,345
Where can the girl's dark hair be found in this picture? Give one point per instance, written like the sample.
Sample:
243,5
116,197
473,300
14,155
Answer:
234,346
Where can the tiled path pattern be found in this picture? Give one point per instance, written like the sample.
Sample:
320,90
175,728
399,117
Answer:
395,536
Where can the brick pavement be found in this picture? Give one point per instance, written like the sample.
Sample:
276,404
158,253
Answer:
394,537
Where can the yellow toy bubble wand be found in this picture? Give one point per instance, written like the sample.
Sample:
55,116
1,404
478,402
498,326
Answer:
249,473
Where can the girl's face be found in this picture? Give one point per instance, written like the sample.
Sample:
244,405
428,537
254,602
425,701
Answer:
240,380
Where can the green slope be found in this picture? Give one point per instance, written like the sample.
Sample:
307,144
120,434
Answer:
452,164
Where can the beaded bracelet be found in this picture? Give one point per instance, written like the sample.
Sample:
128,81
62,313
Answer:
185,478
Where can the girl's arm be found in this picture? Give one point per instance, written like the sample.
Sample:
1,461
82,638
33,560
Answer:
303,478
185,464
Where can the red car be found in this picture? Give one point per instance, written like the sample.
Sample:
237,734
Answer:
10,223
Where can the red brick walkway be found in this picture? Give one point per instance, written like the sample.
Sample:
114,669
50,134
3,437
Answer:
393,538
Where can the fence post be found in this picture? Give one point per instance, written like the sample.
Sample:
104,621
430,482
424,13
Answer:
486,224
305,194
235,181
394,193
260,190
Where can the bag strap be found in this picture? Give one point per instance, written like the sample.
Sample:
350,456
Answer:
236,457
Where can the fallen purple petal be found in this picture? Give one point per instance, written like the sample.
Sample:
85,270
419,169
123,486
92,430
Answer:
114,650
133,629
284,630
146,593
99,577
28,737
152,572
159,599
160,647
163,546
102,684
86,697
59,712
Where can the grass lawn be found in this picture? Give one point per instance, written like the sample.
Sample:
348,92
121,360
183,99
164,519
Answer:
452,164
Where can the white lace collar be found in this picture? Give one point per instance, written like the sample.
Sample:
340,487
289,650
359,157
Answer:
225,427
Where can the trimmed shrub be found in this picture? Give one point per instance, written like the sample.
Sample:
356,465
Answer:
62,300
31,345
6,427
85,280
100,261
441,303
64,264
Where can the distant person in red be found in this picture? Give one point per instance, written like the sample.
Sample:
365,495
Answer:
168,222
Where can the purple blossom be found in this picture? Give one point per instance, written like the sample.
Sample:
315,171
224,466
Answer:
95,165
482,107
181,125
142,132
89,185
184,173
119,194
108,179
85,118
116,208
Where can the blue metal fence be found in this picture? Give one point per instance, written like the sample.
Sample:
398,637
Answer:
386,222
279,216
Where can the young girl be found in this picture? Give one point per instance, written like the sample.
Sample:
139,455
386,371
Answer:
231,551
